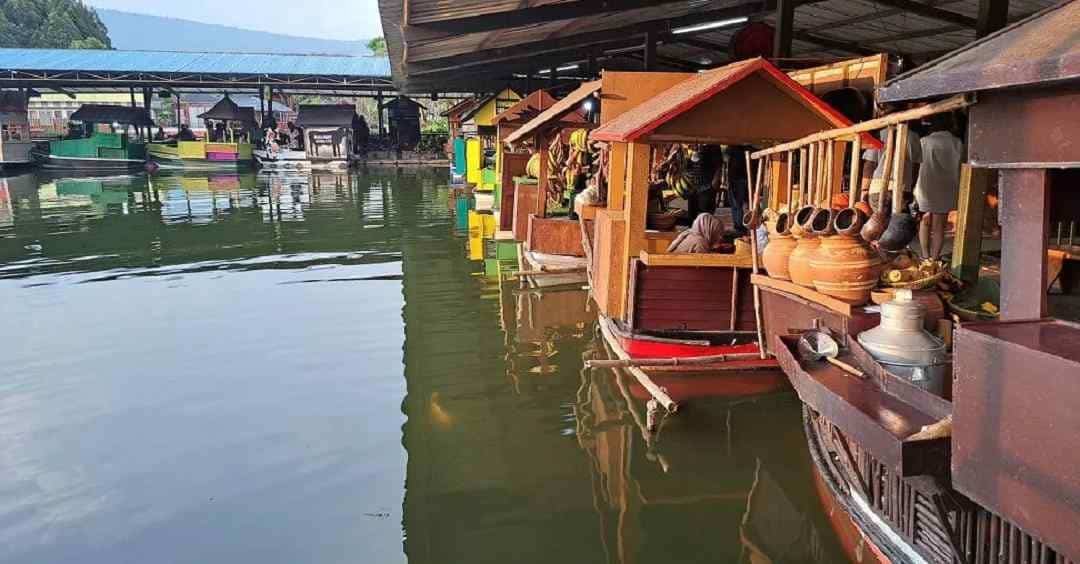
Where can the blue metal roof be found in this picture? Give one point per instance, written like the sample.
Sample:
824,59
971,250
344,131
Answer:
192,62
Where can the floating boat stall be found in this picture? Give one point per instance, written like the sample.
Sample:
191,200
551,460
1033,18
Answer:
960,446
233,152
15,144
689,317
328,140
92,149
480,133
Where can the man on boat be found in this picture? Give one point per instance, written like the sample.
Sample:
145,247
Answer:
185,133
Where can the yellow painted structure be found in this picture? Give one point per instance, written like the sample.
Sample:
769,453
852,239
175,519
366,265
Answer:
473,160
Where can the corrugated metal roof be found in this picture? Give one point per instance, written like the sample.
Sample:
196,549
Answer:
1043,48
176,62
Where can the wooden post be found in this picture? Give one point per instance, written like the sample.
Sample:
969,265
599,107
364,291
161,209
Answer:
967,246
177,104
637,197
778,172
132,91
993,15
544,180
785,24
1025,219
378,99
262,106
617,177
649,59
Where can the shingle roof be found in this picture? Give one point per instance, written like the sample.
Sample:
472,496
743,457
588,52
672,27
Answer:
556,111
340,115
100,113
191,62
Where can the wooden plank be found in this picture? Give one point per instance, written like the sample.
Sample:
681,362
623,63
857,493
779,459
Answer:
611,264
807,294
1025,199
554,236
703,260
525,197
637,197
617,177
974,182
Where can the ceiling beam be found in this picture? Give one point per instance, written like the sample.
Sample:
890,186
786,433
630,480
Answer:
932,12
834,44
468,21
873,16
993,15
699,43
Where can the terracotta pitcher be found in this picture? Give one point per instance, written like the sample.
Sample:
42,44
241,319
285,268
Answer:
846,268
781,244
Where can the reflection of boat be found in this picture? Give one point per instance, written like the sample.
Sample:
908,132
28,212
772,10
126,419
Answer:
95,150
685,495
233,153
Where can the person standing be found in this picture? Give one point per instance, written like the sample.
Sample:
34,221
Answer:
874,173
738,185
938,187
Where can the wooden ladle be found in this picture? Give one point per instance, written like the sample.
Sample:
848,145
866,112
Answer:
903,227
875,226
850,220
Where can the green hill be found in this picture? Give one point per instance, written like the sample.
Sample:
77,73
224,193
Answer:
65,24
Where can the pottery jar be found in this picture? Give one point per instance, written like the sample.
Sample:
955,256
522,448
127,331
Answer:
845,268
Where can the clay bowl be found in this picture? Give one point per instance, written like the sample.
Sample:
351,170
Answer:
821,222
849,221
800,226
902,228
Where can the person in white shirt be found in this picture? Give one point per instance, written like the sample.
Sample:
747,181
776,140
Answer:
873,173
938,187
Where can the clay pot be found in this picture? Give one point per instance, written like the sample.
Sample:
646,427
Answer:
776,253
845,268
821,222
799,261
800,226
849,221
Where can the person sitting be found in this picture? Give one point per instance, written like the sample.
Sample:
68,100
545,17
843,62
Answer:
160,135
185,133
706,235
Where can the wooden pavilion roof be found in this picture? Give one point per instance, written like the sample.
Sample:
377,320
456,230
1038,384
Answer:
777,107
484,45
556,111
527,107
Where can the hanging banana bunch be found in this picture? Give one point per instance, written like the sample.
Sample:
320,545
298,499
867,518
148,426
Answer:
556,170
676,174
532,167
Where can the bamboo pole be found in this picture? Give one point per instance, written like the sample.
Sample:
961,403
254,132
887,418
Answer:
654,390
947,105
680,361
853,188
790,181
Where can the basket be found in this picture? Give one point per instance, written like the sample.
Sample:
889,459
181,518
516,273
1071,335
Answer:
662,221
919,284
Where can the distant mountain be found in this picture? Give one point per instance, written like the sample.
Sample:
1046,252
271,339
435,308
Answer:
139,31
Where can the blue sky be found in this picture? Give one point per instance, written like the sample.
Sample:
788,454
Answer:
327,19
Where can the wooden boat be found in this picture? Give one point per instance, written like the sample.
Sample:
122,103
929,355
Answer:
15,144
203,155
985,472
649,298
93,150
328,140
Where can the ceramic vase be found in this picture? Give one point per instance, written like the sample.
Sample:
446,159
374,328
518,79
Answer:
799,261
846,268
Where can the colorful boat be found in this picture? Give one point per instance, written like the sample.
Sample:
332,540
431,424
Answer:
92,149
232,151
696,311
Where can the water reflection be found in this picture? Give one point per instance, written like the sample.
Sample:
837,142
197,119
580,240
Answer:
304,368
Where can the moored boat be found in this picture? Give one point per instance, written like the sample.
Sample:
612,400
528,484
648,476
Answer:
15,144
327,140
92,149
232,150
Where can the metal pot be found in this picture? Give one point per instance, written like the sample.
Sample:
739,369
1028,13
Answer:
901,344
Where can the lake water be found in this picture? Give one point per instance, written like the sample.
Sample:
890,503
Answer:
242,368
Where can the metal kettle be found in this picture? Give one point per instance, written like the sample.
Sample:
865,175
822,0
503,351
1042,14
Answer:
903,347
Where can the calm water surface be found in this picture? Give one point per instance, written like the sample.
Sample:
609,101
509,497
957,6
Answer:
282,369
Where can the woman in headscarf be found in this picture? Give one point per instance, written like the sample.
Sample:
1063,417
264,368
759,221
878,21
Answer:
704,236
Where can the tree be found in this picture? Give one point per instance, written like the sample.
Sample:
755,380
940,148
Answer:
63,24
377,46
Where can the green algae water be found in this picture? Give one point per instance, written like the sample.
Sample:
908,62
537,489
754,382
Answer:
252,368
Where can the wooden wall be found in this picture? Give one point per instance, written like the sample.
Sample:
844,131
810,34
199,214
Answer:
690,298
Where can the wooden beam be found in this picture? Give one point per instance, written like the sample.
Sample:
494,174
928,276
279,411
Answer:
974,183
831,43
928,11
699,43
993,15
785,20
496,17
649,52
1025,220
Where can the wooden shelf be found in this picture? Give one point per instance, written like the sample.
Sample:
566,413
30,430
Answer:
704,260
808,294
